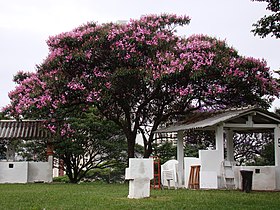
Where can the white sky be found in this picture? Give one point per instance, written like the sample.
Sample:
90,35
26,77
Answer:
25,25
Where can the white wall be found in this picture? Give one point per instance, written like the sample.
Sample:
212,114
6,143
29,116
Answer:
211,160
265,180
16,174
210,170
39,172
23,172
277,155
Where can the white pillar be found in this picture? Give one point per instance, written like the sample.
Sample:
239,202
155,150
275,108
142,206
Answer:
180,158
220,147
50,162
277,155
230,148
220,139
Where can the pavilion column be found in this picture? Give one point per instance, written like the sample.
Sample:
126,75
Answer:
220,147
230,148
220,140
277,155
180,158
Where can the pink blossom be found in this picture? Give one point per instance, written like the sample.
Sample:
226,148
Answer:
108,85
52,128
75,86
88,54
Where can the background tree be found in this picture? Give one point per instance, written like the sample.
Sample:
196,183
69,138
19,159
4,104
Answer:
249,148
31,150
88,142
165,150
2,116
3,151
269,24
198,140
266,157
254,148
139,75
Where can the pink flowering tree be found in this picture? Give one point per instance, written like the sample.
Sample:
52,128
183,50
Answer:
82,140
139,75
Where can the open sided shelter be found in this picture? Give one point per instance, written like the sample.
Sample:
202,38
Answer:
217,167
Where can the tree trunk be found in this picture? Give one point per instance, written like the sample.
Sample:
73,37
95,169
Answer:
148,148
131,146
69,173
131,138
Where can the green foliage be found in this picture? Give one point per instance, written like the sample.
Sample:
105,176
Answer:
269,24
254,148
3,116
193,142
93,143
2,144
32,150
249,148
3,150
62,179
108,175
266,156
198,140
165,151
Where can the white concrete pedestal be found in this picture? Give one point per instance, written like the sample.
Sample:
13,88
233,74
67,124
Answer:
139,174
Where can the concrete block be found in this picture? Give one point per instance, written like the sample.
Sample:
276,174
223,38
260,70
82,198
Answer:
208,180
139,174
13,172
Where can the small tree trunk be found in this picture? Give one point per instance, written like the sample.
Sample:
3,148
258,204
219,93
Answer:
148,149
71,176
131,138
131,147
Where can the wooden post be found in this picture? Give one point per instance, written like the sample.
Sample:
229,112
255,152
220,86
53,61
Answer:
61,167
180,158
49,149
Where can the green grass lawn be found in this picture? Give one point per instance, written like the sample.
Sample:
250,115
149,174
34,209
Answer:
114,196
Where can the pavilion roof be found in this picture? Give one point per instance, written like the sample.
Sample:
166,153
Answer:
23,129
208,120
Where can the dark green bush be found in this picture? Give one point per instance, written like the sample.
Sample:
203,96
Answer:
108,175
63,179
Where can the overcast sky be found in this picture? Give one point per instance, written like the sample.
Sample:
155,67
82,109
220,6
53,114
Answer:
25,25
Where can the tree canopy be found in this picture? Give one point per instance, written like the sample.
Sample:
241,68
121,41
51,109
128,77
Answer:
139,75
269,24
